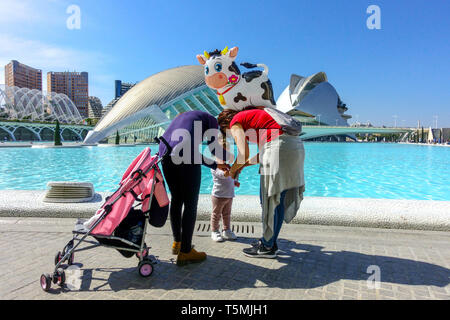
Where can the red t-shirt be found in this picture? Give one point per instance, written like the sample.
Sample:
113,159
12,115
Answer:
264,127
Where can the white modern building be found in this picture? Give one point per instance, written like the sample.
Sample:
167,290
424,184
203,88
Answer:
313,101
95,108
145,111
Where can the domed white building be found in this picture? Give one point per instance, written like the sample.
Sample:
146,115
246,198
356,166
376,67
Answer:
144,111
313,100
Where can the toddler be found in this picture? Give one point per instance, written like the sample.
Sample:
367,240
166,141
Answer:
222,200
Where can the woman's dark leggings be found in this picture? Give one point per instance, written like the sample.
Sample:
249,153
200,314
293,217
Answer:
184,185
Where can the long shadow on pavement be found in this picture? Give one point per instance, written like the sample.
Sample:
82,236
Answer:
303,266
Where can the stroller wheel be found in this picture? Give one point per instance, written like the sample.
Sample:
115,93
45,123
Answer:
145,269
58,257
46,282
71,258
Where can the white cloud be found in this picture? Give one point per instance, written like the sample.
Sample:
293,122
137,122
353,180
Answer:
16,11
29,11
46,55
50,57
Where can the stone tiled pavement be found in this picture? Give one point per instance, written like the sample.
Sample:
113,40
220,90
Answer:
317,262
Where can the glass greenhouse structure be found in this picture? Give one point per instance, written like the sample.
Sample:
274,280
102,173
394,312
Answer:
17,104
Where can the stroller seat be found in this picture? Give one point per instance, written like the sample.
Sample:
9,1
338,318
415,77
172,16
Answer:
111,241
80,227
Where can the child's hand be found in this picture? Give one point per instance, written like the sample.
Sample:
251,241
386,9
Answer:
237,183
224,167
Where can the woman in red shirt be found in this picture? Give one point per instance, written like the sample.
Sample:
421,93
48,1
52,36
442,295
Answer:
250,125
281,159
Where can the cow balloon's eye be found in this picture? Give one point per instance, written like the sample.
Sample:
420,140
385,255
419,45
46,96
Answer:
218,67
206,70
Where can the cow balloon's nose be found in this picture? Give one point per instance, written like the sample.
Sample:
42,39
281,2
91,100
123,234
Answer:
217,81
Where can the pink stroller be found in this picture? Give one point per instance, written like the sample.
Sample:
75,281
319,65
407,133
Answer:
117,224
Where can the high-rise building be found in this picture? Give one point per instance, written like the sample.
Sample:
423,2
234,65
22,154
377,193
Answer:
73,84
20,75
122,87
109,106
95,108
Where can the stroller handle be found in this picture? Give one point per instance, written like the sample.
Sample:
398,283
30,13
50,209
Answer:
168,147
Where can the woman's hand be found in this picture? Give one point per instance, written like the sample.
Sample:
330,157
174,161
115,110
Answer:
238,172
235,170
250,162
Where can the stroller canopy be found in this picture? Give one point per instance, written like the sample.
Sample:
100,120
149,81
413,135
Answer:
136,181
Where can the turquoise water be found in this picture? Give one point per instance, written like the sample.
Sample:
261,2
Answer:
364,170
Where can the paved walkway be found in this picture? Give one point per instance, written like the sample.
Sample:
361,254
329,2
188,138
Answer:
317,262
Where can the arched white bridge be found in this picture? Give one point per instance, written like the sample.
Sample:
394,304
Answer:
23,131
310,132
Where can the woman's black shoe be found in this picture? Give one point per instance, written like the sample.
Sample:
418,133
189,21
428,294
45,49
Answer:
275,246
260,251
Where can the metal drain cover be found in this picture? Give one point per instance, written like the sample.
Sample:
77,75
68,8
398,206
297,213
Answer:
69,192
240,229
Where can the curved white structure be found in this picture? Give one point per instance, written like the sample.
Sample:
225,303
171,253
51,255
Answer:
313,100
145,110
26,104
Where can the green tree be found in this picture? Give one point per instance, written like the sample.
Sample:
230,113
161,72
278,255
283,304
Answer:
57,134
117,137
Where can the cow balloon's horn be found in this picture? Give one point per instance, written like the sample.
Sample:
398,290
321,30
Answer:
206,54
224,51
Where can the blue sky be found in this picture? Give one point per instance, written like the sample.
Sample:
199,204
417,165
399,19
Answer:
402,69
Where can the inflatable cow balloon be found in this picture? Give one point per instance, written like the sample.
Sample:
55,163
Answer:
235,90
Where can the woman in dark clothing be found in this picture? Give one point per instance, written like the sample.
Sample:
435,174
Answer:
182,171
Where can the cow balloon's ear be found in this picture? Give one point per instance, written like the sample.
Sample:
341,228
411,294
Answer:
201,59
233,52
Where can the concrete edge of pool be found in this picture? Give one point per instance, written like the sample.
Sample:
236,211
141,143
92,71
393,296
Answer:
350,212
